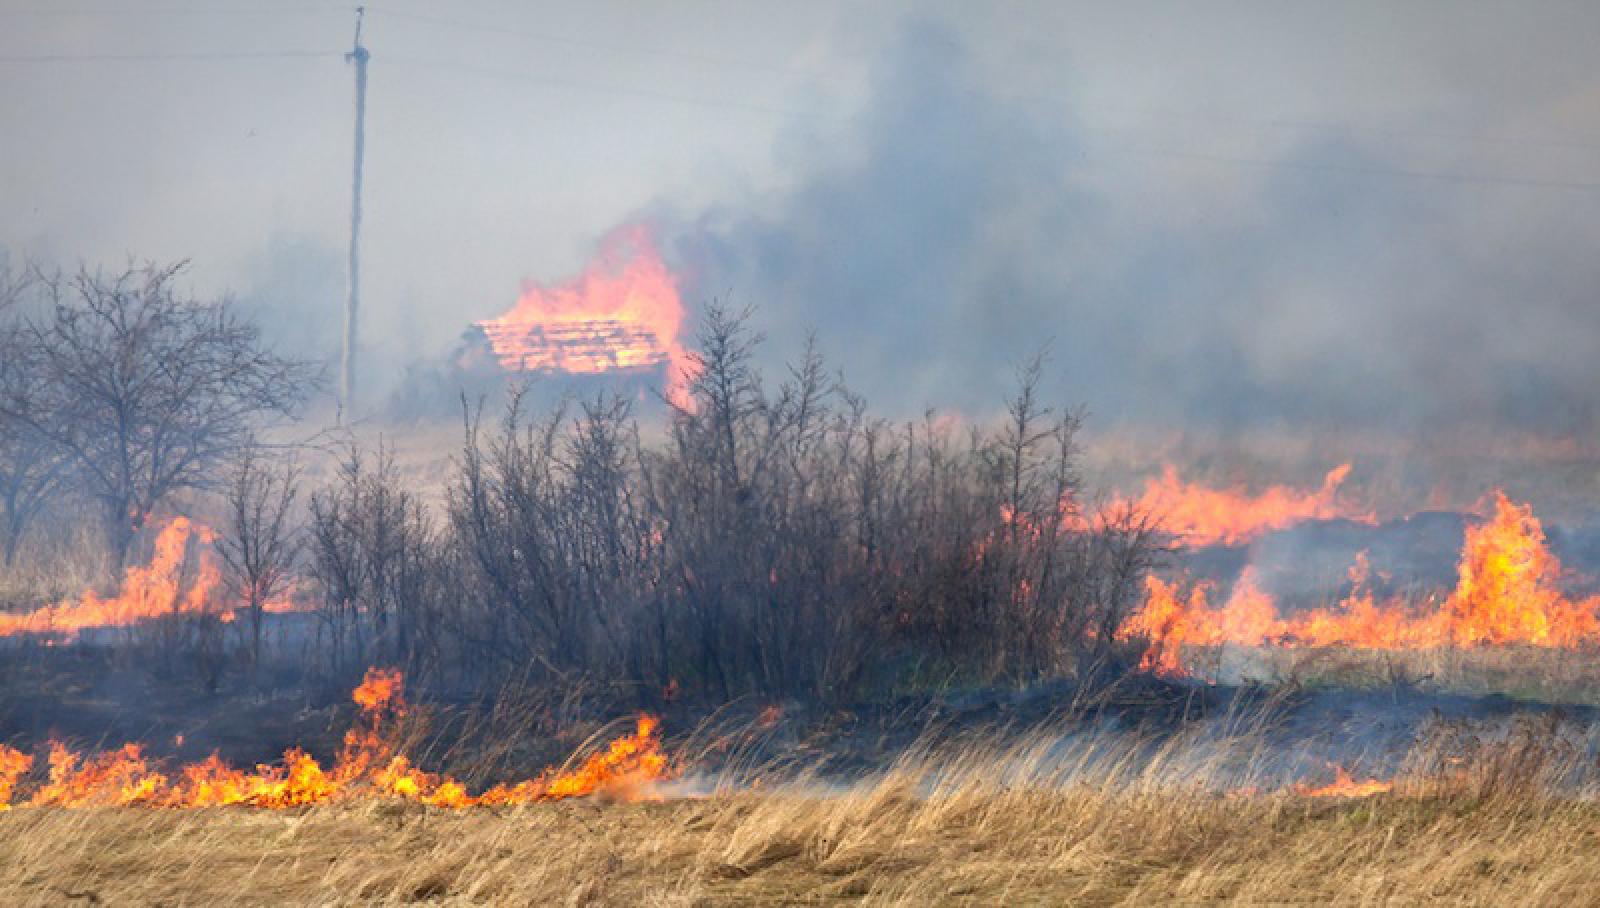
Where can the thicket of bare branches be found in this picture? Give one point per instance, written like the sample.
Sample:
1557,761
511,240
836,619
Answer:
260,541
779,540
376,563
776,539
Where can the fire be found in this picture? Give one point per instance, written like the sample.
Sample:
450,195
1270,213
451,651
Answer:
367,765
13,765
1507,589
1201,515
380,688
182,578
162,587
622,314
1343,786
1506,592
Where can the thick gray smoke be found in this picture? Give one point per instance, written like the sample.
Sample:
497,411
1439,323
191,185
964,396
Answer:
955,229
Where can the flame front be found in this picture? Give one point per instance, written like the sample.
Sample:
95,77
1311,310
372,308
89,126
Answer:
366,766
1506,593
623,313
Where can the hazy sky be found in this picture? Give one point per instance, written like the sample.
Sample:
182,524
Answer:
1220,214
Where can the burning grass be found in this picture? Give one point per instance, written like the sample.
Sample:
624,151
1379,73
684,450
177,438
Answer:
368,766
980,827
1474,812
1508,592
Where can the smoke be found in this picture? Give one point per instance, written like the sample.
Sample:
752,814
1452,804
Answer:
294,289
952,228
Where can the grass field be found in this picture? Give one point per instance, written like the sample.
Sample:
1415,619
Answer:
879,844
1024,826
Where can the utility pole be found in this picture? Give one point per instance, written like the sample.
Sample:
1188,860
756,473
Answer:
347,354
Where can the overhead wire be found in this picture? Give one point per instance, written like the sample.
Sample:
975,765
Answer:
619,89
166,56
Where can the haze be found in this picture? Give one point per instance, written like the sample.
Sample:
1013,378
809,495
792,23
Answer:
1219,216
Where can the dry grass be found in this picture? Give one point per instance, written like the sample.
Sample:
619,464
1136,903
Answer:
881,844
1032,825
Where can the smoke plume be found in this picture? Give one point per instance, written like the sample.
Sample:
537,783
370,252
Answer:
954,228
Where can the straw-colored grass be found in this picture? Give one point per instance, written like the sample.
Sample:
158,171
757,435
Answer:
879,843
1045,824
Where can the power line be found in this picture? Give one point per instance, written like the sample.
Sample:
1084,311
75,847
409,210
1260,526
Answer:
1270,123
69,12
559,82
600,87
1359,170
547,38
1275,123
168,56
1456,177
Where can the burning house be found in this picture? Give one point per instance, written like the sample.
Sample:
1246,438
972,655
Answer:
618,322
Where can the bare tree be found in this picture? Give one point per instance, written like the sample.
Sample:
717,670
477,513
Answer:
259,543
146,390
32,467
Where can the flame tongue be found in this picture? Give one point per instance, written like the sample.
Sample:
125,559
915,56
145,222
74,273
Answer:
147,591
1506,591
1200,515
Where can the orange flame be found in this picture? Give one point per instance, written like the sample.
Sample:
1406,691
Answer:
623,313
172,583
162,587
366,766
13,765
1343,786
1201,515
1506,593
380,688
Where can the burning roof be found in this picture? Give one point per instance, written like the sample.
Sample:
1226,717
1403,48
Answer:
622,315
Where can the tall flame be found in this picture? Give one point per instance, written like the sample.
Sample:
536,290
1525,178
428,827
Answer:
1506,592
182,578
622,313
367,765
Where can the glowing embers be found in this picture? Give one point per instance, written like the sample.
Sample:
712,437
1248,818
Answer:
1507,592
366,766
622,314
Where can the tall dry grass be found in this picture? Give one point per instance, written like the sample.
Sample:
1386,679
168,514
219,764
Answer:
1088,819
